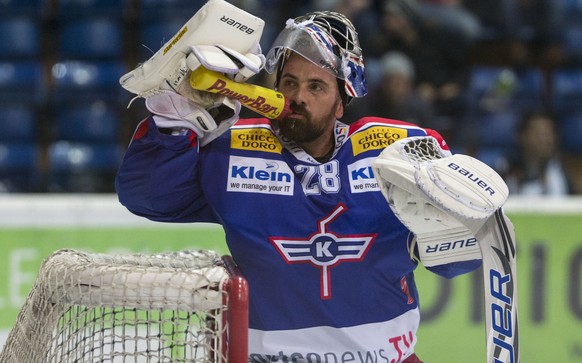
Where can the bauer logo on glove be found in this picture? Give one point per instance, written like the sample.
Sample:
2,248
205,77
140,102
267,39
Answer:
472,177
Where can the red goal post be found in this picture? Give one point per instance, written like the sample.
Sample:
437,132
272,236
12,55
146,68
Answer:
186,306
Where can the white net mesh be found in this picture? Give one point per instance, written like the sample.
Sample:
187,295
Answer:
123,308
420,149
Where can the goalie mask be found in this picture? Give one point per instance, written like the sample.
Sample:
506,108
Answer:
328,40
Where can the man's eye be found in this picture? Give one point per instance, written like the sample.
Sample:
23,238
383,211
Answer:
316,87
288,83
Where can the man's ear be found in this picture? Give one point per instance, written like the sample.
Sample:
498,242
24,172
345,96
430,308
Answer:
339,111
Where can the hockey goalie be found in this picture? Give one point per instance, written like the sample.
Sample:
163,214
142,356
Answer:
326,218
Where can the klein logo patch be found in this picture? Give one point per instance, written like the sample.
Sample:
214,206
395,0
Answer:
256,140
324,249
376,138
252,175
361,176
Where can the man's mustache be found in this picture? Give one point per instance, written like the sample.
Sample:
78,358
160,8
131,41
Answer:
299,109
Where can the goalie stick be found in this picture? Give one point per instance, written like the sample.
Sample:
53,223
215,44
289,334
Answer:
473,194
497,244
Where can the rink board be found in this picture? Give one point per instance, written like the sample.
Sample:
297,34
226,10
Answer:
549,270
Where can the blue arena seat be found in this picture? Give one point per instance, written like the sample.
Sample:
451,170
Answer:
86,75
153,4
18,166
570,131
66,156
156,9
566,93
572,40
497,129
500,88
20,37
76,167
18,156
88,122
571,10
91,38
16,74
75,81
75,9
22,7
495,157
18,122
21,81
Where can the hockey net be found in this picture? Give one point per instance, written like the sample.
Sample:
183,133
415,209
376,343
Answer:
188,306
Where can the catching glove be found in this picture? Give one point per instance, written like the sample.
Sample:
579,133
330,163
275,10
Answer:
443,199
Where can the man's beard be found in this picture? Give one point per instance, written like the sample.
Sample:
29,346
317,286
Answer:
302,130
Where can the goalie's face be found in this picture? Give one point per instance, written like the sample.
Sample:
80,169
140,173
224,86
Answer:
315,104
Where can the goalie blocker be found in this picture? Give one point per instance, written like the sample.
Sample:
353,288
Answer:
442,197
218,37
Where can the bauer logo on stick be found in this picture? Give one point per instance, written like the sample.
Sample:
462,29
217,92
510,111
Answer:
502,291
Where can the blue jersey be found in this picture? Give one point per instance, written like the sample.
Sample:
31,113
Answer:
328,263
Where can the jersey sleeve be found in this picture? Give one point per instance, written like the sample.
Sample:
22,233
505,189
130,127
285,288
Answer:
158,177
454,269
442,143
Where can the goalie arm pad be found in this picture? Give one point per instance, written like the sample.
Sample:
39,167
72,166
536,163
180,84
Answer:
175,112
439,239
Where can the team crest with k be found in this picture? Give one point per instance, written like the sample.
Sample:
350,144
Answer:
325,249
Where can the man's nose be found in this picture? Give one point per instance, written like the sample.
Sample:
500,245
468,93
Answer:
298,95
